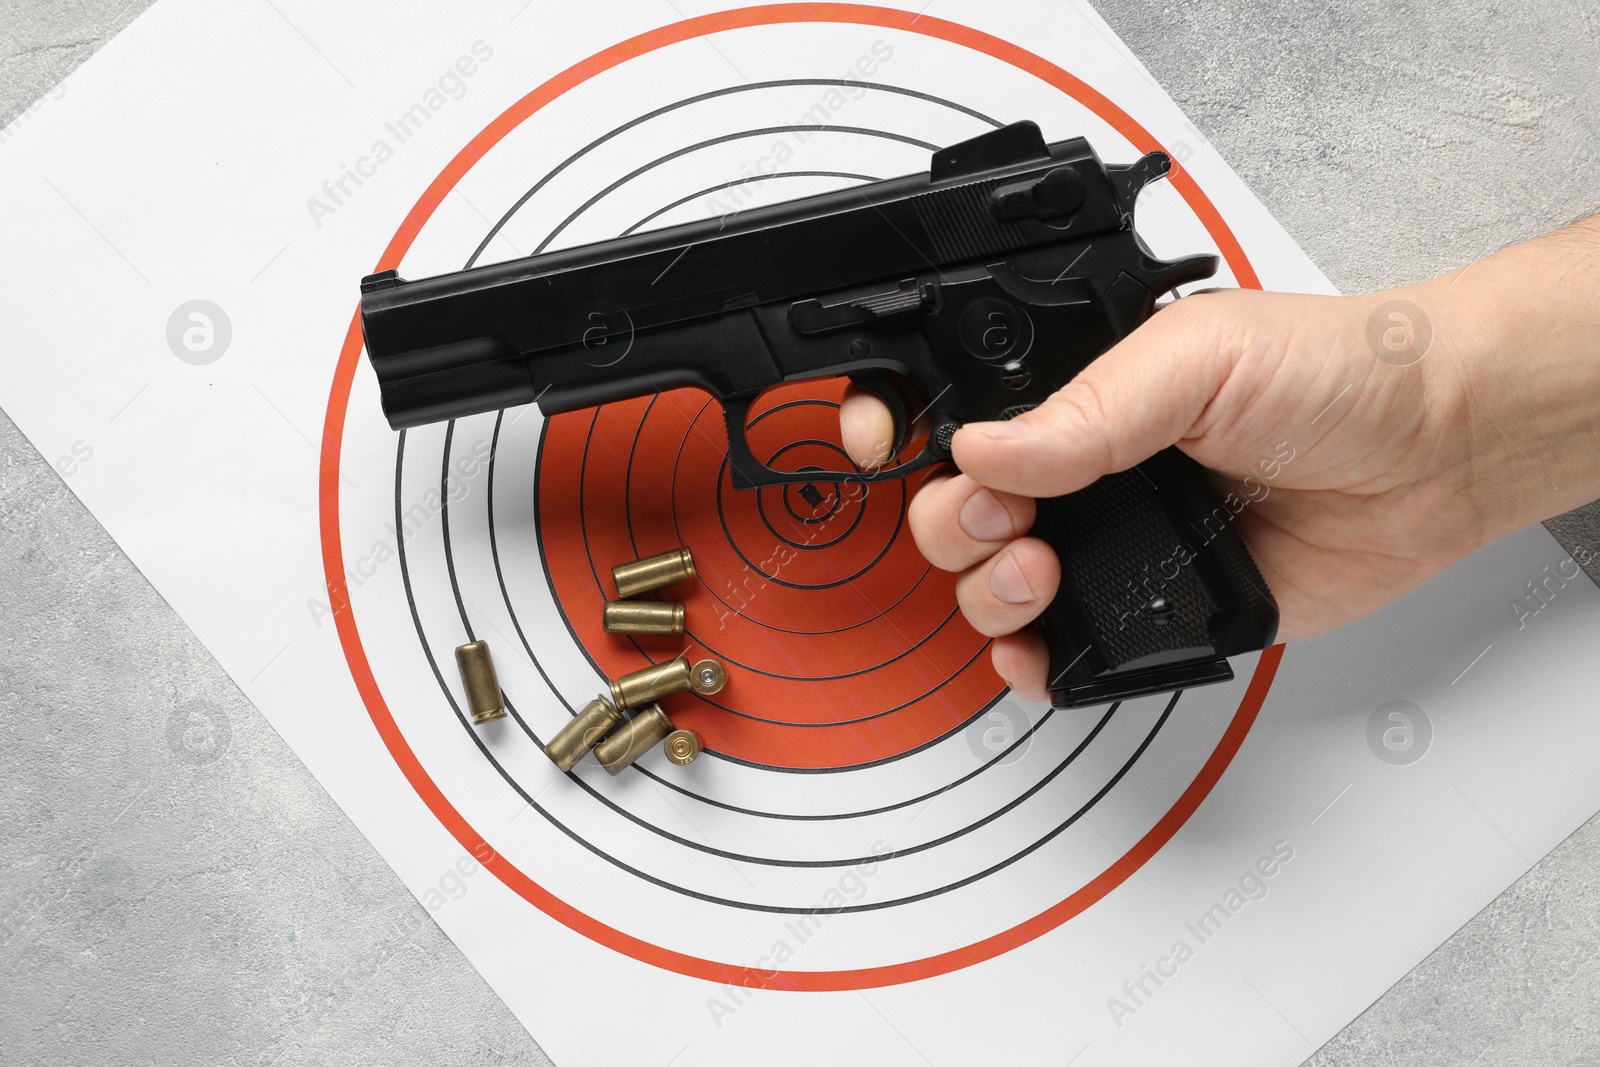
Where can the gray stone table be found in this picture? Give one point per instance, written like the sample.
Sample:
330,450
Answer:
155,910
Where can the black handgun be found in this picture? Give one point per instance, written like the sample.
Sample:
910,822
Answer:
979,287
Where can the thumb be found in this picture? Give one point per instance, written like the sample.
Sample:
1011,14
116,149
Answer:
1145,393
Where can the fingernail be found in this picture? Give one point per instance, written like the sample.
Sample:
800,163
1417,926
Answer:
1007,583
984,518
1009,430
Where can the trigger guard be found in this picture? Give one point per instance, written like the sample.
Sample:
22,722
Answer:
883,387
743,467
748,472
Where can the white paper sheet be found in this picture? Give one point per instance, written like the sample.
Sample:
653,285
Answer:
1228,880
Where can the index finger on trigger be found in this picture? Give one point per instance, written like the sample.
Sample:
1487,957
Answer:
866,428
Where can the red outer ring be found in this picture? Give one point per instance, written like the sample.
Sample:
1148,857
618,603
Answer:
350,638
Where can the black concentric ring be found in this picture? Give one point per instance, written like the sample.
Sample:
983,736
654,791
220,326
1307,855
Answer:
405,572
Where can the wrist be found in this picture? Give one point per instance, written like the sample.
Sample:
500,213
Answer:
1514,377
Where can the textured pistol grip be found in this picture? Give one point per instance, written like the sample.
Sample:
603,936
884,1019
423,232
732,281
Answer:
1157,587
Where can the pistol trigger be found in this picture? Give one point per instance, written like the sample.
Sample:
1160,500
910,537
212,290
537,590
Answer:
882,386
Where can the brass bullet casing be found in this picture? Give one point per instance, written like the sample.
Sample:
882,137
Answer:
707,677
483,688
581,734
651,684
682,747
633,739
642,617
652,572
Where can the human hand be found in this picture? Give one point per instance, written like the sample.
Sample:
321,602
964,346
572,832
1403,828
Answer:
1360,466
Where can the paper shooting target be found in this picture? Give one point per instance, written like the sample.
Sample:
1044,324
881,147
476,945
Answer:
872,807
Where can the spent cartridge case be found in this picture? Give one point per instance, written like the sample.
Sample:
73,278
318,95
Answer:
643,617
707,677
682,747
651,684
633,739
579,736
652,572
484,701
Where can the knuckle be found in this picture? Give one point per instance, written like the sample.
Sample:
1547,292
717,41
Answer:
1086,398
1022,509
926,539
981,619
1023,668
1196,310
935,532
1204,324
1038,558
983,612
1082,404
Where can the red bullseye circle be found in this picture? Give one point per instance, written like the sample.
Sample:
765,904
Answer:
406,759
842,645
